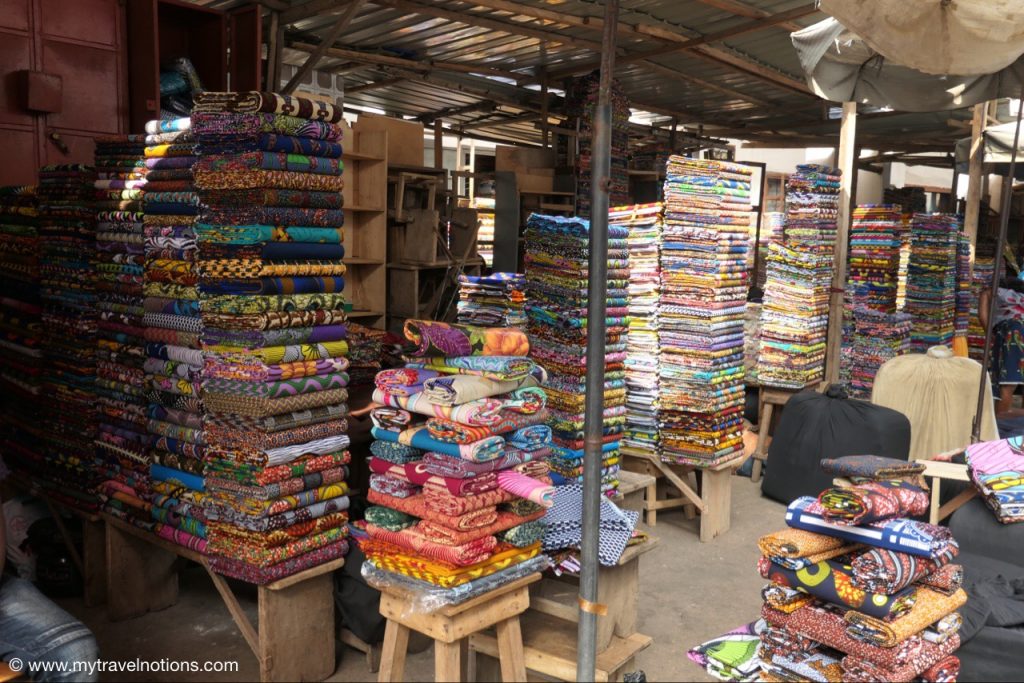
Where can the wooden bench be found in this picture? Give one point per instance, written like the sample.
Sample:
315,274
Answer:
294,639
634,488
713,503
451,627
768,400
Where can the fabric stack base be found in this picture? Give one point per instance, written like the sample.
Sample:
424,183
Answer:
931,280
856,590
557,255
68,243
984,266
581,102
703,306
495,300
22,365
794,317
458,498
174,357
270,277
643,221
122,439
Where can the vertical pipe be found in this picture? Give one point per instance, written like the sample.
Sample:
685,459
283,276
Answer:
597,292
1004,220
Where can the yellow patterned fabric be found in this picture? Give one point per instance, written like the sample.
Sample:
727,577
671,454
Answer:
439,573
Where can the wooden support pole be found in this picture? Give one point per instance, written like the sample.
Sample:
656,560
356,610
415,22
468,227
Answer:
544,108
974,177
272,53
847,153
343,21
438,144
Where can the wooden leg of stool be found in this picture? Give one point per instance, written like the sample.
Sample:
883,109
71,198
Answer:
510,650
447,662
690,510
392,656
651,497
716,492
761,451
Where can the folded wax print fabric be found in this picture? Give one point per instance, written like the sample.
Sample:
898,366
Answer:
391,419
795,548
271,142
462,556
266,102
257,407
452,390
251,305
447,503
785,599
527,487
451,466
997,471
403,382
947,580
491,367
531,438
443,339
856,669
872,501
450,431
733,656
831,581
887,571
486,412
286,180
903,535
929,607
870,467
396,559
946,670
392,486
440,533
388,518
397,453
415,473
249,573
819,665
419,437
274,285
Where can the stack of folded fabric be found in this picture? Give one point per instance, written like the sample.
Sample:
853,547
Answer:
962,319
564,525
21,365
772,225
495,300
858,592
643,221
931,280
557,252
703,306
981,280
581,101
174,358
794,318
67,230
122,438
459,496
275,380
365,354
997,471
876,338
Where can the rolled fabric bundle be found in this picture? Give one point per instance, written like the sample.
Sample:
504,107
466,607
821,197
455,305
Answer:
870,467
832,582
388,518
817,666
393,486
857,670
527,487
786,643
453,390
945,670
943,629
416,474
785,599
946,580
418,437
799,547
451,431
929,608
880,570
531,438
443,534
521,404
210,127
443,339
390,419
403,382
872,501
491,367
904,535
265,102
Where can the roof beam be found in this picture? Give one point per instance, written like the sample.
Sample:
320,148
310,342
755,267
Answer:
752,68
523,118
308,9
374,85
320,50
482,105
742,9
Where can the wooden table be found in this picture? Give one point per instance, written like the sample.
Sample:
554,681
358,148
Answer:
295,637
451,628
713,503
768,400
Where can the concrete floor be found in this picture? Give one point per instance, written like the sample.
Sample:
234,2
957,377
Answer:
690,591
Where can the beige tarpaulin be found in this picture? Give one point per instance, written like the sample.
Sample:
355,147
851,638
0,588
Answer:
965,37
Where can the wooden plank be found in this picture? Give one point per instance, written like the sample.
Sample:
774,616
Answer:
273,36
297,630
318,53
717,495
241,620
847,153
372,651
447,661
945,470
742,9
974,174
140,576
510,650
289,581
392,657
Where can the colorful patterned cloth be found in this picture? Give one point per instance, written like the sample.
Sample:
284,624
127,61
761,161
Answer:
870,467
266,102
887,571
442,339
929,607
873,501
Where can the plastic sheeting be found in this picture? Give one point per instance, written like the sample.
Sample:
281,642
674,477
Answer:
998,146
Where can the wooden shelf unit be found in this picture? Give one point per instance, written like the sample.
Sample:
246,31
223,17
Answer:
366,232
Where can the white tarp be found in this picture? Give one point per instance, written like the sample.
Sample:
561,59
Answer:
997,146
842,68
966,37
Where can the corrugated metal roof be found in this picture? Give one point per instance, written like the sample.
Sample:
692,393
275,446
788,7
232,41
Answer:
747,83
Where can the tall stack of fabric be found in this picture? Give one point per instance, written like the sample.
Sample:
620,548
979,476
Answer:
794,317
68,241
643,222
495,300
557,268
122,439
772,225
581,100
365,354
857,591
962,319
458,498
174,357
703,307
931,280
22,365
981,280
275,381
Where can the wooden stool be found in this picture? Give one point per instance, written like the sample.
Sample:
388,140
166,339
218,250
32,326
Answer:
768,399
451,627
634,489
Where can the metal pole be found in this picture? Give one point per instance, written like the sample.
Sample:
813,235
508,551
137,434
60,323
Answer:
1004,221
597,292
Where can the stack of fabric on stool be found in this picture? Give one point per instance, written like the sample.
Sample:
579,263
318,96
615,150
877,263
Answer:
961,322
122,440
557,267
174,362
495,300
643,222
459,496
275,383
997,471
21,366
794,317
703,306
931,280
67,229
